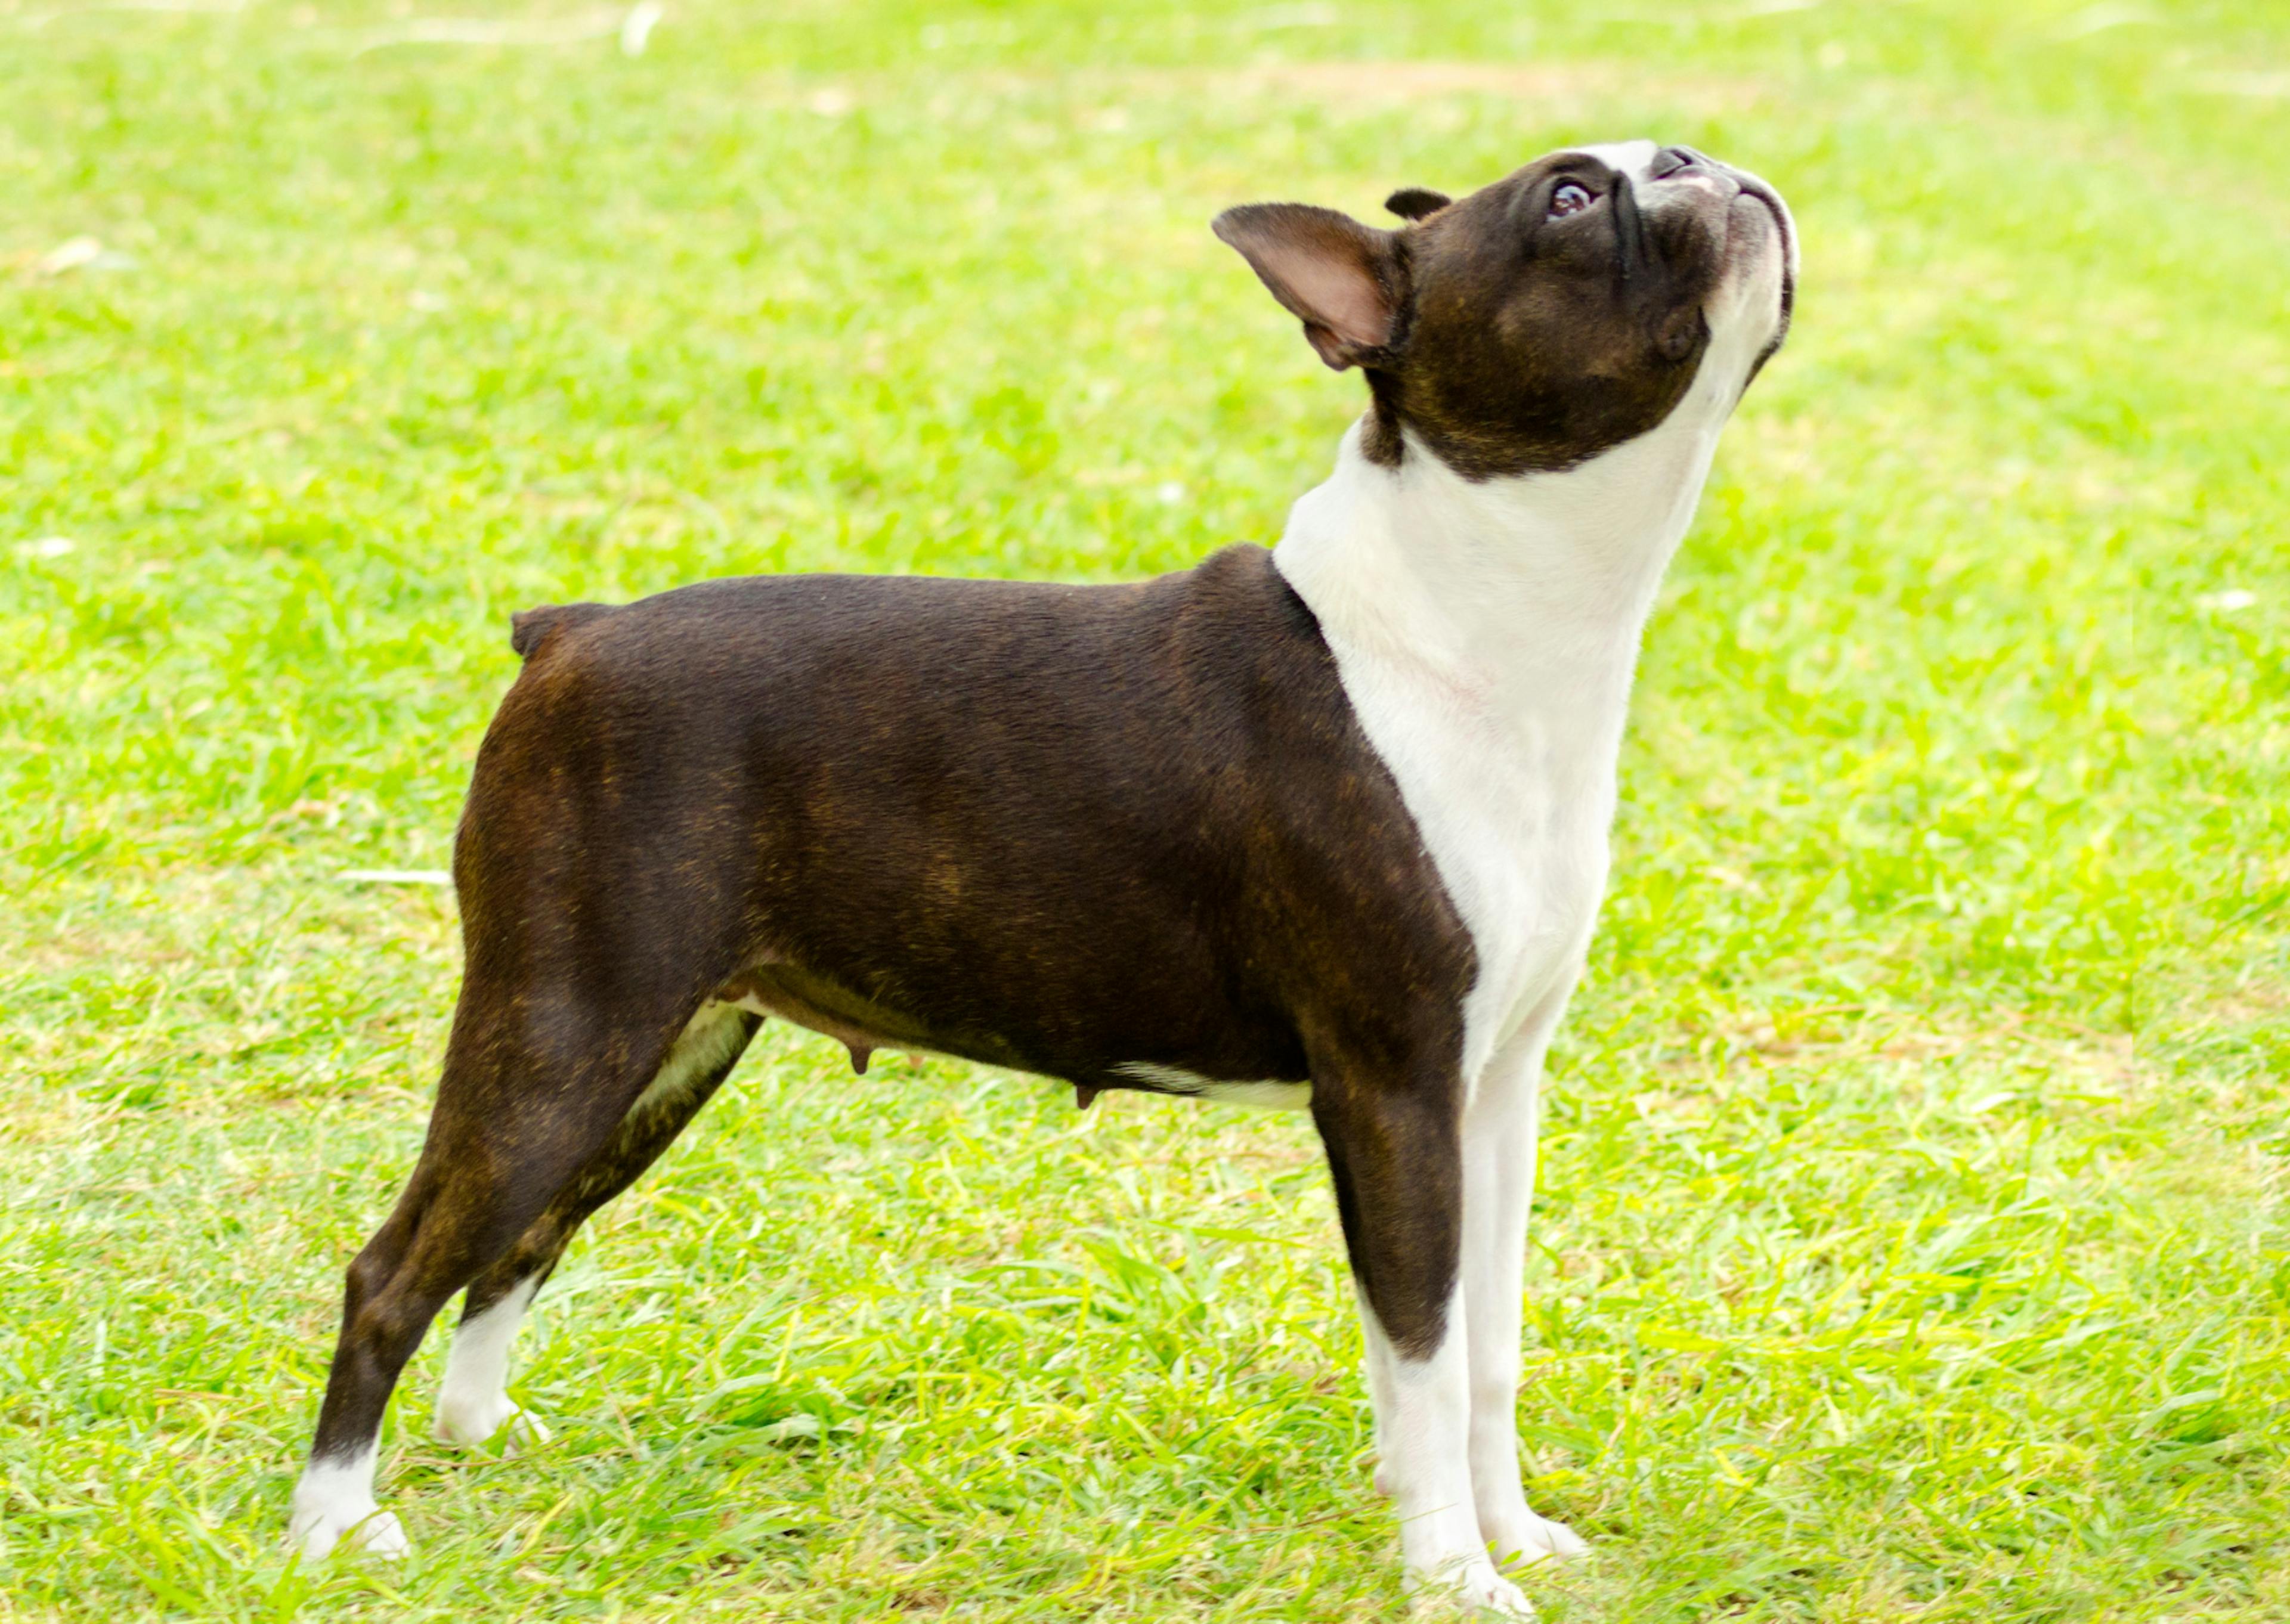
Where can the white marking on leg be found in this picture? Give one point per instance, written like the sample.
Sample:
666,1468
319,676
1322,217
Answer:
1498,1153
1177,1080
1383,1400
335,1498
474,1404
1422,1426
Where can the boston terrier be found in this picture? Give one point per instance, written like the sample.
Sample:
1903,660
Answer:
1323,827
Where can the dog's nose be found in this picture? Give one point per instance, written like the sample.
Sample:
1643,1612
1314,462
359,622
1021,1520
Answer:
1669,160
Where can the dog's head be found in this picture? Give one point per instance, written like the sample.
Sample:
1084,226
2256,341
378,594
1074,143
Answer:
1563,309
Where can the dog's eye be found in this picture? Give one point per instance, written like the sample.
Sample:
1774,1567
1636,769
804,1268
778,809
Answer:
1570,199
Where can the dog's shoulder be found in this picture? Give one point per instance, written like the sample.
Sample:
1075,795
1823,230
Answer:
1243,608
1240,579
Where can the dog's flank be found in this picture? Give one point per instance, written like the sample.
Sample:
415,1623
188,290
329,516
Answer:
1325,828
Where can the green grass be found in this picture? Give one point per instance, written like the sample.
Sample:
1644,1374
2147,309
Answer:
1912,1243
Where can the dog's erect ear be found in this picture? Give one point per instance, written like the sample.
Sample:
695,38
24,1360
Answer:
1415,202
1341,278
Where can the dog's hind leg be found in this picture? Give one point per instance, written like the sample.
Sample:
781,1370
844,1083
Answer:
474,1404
535,1083
1395,1154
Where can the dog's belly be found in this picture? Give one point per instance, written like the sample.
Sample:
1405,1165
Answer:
1176,1080
859,1024
863,1025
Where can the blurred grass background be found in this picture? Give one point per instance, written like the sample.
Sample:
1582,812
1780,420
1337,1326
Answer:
1911,1242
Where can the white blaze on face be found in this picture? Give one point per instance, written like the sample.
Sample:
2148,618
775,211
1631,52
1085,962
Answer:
1633,158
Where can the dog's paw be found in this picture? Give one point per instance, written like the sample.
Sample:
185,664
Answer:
1472,1590
471,1422
1519,1539
316,1530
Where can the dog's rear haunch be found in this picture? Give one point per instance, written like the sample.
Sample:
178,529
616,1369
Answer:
1323,827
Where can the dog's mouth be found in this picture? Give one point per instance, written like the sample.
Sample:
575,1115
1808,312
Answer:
1684,164
1778,212
1756,205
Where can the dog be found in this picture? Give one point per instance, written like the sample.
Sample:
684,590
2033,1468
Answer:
1323,827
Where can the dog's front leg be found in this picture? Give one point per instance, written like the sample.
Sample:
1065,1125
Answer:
1395,1153
1499,1155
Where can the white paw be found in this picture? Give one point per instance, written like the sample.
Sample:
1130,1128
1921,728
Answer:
472,1422
1521,1539
1474,1589
318,1529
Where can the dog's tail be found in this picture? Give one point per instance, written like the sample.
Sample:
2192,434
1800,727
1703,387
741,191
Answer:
528,628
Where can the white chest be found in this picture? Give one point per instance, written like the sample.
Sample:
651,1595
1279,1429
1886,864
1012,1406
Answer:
1514,803
1485,635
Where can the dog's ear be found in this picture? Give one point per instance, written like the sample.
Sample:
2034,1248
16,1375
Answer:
1415,202
1343,279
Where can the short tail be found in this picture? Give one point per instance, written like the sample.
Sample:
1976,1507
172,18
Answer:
528,628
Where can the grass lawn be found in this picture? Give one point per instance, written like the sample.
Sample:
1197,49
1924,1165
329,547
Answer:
1912,1242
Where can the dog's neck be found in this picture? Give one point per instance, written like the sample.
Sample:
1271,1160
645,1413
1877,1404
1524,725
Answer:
1517,600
